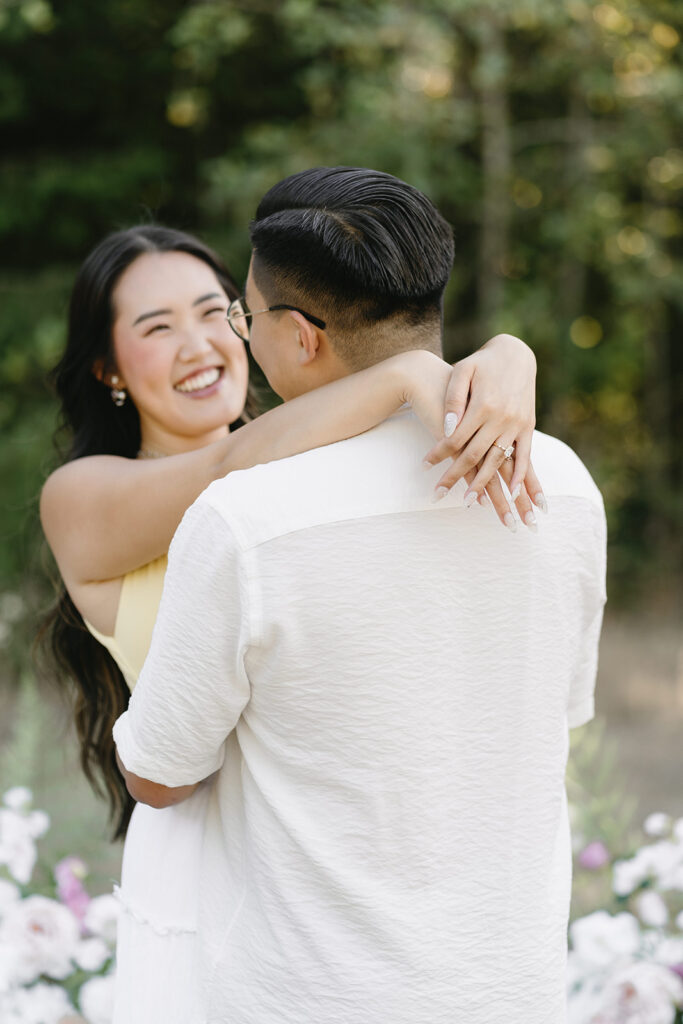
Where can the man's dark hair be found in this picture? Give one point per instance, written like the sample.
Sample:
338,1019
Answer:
359,248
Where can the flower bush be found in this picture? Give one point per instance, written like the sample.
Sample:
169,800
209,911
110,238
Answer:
626,961
56,951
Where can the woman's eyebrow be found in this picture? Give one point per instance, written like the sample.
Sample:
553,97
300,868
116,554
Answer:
209,295
168,312
156,312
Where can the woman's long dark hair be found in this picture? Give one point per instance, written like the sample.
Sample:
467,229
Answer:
96,426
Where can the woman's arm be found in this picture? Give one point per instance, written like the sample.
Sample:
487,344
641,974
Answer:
104,516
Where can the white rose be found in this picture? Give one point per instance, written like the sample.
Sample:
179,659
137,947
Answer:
7,969
600,939
583,1001
665,863
92,954
17,848
37,823
657,824
43,936
652,909
96,999
18,798
642,993
9,893
627,875
41,1004
669,951
101,917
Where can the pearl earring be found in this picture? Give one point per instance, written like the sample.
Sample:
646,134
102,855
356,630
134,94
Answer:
118,394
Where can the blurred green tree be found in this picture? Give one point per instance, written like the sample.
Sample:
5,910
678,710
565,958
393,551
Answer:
548,133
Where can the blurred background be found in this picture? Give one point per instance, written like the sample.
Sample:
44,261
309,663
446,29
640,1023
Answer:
549,132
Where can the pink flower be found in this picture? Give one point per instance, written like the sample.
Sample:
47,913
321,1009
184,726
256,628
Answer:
594,856
69,873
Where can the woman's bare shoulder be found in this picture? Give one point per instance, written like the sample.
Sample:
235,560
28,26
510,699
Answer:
64,485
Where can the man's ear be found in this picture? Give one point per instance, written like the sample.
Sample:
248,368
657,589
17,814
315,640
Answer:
309,338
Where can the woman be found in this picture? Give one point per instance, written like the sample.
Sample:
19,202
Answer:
153,373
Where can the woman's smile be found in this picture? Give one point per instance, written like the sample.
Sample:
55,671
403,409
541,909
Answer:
201,383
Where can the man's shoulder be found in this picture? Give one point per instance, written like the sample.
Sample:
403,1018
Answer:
376,473
561,471
360,476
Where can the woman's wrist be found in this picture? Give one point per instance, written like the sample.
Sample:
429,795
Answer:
414,371
518,348
220,458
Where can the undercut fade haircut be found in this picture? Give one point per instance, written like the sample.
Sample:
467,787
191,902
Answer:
361,249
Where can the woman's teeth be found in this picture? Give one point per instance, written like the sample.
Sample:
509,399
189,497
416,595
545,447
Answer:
199,381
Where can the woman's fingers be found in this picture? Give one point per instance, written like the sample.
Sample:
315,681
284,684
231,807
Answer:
534,489
487,471
500,503
520,462
457,394
523,502
483,465
455,445
469,457
482,453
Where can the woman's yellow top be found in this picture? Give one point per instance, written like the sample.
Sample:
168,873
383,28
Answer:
135,618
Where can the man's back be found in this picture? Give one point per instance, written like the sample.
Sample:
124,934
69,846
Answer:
388,836
399,767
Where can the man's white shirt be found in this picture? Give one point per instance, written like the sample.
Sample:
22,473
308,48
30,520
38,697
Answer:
383,686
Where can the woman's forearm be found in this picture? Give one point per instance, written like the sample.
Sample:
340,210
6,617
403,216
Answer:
341,409
105,516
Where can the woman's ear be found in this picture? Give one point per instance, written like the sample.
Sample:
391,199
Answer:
103,372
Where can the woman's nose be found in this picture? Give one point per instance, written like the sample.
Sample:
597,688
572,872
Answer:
195,342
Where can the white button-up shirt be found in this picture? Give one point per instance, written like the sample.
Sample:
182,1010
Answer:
383,687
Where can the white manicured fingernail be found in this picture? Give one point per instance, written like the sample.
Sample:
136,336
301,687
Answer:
439,493
427,465
450,423
541,503
515,494
470,499
530,520
484,500
509,521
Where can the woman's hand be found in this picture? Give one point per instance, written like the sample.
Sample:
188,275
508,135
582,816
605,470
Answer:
490,400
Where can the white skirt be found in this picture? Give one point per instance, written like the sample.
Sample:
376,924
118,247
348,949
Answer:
156,954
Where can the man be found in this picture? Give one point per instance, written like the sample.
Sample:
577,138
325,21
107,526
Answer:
382,684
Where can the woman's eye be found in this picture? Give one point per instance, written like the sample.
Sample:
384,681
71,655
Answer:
216,309
157,327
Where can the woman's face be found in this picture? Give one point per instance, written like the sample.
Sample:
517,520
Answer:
176,355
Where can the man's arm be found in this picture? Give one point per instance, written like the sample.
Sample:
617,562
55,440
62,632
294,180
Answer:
591,597
193,685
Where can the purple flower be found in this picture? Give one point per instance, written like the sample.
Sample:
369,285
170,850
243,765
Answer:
594,856
69,873
677,969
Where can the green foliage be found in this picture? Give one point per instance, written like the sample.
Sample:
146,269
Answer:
594,788
548,133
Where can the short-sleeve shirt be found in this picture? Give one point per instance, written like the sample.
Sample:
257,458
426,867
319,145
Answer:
383,687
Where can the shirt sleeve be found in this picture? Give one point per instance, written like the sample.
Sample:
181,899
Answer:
193,685
592,597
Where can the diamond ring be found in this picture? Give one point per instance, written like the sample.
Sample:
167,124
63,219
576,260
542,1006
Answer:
507,452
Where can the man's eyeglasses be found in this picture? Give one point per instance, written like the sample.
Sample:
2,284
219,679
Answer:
239,316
